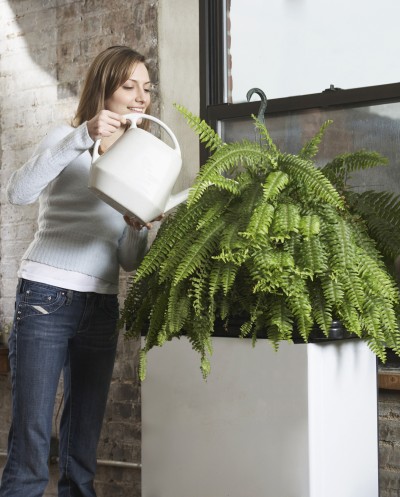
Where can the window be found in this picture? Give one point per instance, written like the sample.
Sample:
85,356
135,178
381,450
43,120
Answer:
362,39
375,74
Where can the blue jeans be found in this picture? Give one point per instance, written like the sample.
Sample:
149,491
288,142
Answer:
57,330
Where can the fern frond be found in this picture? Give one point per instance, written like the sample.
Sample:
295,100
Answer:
311,179
286,221
198,253
177,253
340,168
178,310
264,133
142,370
350,317
321,309
309,225
311,256
260,221
310,149
207,135
354,289
342,248
198,292
381,212
173,230
300,305
378,280
212,211
157,320
225,160
333,291
378,348
274,184
280,320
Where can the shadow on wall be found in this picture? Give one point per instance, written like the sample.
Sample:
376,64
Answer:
63,37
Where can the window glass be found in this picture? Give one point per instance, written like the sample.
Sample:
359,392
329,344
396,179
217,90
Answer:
298,47
372,128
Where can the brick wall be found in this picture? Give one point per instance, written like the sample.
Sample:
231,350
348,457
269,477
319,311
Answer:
389,443
45,49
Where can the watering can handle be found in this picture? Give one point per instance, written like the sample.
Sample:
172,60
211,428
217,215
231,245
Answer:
134,118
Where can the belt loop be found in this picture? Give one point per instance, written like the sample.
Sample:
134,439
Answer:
70,295
20,285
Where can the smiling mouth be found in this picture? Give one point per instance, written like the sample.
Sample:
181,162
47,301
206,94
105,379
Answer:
135,109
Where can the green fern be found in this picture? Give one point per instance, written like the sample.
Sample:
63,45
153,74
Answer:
339,170
273,240
310,149
207,135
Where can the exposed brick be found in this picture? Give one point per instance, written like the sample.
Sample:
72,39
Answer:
46,47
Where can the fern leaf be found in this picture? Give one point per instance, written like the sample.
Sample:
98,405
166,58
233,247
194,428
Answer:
286,220
340,168
309,225
264,133
354,290
274,184
321,310
310,149
204,247
350,317
311,256
381,212
333,291
142,365
172,231
198,291
342,248
224,160
207,135
300,306
260,221
280,321
178,309
309,177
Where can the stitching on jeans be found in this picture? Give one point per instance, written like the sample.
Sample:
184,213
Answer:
69,424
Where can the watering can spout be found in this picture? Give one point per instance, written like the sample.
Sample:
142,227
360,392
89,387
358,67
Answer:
176,199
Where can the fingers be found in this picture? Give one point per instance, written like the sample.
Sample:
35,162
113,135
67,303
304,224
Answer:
136,223
105,123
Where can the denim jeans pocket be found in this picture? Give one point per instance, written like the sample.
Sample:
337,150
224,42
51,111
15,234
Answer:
39,299
110,306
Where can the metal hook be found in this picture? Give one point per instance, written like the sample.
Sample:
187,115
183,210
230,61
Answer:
263,106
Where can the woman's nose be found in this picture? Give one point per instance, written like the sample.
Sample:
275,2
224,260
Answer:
140,97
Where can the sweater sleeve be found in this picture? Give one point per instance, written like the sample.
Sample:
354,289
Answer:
54,153
132,248
134,244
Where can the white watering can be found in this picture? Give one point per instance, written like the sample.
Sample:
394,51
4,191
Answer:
136,174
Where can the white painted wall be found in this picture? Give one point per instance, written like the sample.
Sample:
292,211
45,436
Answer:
178,34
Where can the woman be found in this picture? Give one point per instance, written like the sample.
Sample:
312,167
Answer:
66,305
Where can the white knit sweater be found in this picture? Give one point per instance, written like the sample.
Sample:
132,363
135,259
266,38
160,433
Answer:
76,231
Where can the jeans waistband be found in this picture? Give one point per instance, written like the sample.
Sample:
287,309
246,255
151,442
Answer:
24,283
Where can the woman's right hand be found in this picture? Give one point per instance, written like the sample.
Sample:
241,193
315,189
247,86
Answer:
104,123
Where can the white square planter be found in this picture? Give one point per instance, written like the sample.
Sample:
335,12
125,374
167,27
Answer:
300,422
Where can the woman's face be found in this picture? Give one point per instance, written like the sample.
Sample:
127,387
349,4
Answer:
133,95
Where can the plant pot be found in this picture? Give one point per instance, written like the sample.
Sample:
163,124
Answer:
4,362
302,421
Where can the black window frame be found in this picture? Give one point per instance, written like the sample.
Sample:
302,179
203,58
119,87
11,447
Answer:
212,78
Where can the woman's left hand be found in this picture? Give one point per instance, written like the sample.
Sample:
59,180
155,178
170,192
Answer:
137,224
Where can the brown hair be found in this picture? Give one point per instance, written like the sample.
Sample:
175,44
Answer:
108,71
